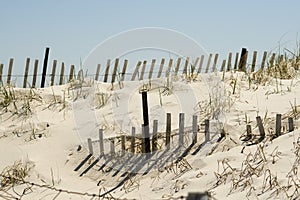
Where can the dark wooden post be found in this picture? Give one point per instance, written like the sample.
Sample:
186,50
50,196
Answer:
177,66
45,67
260,127
132,147
123,145
181,129
215,62
248,130
169,67
124,70
193,67
236,61
243,60
223,65
154,135
186,65
208,63
97,72
146,122
143,70
101,144
206,130
71,75
11,62
272,60
1,72
229,61
113,78
253,61
90,146
291,124
36,64
136,70
195,128
53,72
168,130
161,67
26,72
263,60
106,71
278,125
62,72
151,69
201,64
112,146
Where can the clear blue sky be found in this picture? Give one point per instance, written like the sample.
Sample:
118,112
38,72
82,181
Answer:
73,28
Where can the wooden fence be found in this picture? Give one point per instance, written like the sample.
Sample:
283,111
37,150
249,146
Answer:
117,71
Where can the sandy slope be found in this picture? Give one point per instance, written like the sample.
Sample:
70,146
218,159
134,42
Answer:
60,126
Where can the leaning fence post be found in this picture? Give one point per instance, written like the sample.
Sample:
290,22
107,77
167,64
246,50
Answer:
113,78
168,130
223,66
136,71
53,72
11,62
146,122
97,72
278,125
291,124
193,67
260,126
206,130
208,63
62,71
101,145
169,67
123,141
112,146
132,140
90,146
181,128
177,66
195,128
36,63
124,70
1,71
143,70
236,61
243,60
106,71
201,64
154,137
253,61
229,62
71,75
248,130
151,69
161,67
26,72
45,67
263,60
215,62
186,66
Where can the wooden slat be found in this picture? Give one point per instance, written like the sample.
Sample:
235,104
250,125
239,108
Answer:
45,64
243,60
168,130
186,66
62,73
36,64
1,72
223,65
113,78
26,72
215,62
229,61
169,67
177,66
181,129
136,70
71,75
253,61
161,67
143,70
106,71
97,72
236,61
262,66
151,69
154,135
124,70
11,62
193,67
201,64
208,63
53,72
272,60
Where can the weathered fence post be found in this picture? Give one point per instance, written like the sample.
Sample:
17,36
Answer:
278,125
123,143
206,130
1,72
215,62
36,64
236,61
71,75
272,60
132,147
62,72
223,65
184,72
181,129
291,124
177,66
229,62
260,127
249,131
169,67
154,135
106,71
97,72
26,72
146,122
113,78
151,69
161,67
53,72
168,130
208,63
136,70
262,66
124,70
45,67
201,64
143,70
253,61
195,128
243,60
90,146
11,62
112,146
193,67
101,144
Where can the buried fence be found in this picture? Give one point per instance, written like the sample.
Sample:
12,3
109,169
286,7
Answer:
118,71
